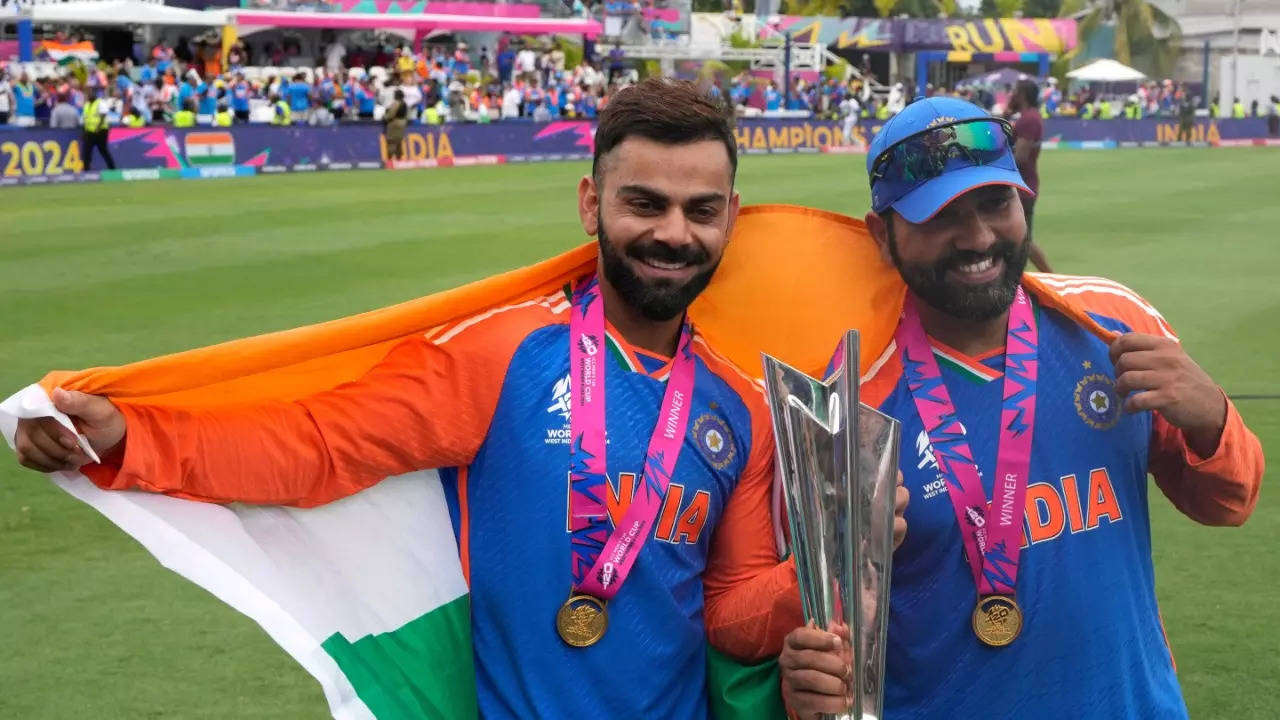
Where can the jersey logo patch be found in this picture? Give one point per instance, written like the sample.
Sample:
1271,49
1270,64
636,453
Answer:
561,395
1096,401
711,435
560,398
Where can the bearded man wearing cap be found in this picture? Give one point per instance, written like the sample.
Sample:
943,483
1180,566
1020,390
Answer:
1033,408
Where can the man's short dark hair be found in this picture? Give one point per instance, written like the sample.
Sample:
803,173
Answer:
672,112
1029,92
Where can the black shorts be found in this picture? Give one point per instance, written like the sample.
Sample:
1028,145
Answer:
4,117
242,115
1029,210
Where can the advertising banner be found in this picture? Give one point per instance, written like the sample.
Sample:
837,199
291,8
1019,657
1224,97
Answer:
984,35
42,156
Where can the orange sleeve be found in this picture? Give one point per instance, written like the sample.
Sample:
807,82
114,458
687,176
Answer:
752,600
1218,490
427,404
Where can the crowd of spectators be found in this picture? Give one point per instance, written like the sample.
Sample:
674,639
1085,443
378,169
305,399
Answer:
192,83
523,77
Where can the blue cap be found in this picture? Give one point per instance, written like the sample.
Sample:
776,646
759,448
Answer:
924,202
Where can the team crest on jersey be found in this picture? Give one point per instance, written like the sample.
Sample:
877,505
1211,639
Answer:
1096,401
713,439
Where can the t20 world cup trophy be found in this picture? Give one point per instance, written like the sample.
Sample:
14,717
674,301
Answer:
839,464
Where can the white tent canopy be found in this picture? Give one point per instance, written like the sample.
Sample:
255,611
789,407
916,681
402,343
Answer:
122,12
1105,70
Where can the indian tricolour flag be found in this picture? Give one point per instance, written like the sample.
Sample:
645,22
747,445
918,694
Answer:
65,53
210,148
367,593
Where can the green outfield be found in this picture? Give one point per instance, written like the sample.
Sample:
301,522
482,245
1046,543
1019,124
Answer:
92,627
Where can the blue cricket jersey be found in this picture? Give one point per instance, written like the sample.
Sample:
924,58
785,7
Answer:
1092,644
514,497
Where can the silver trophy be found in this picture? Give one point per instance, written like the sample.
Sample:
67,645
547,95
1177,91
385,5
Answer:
839,469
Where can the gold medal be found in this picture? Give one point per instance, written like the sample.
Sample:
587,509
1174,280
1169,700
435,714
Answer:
997,620
582,620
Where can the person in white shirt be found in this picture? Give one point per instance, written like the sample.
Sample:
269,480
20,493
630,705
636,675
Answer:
849,109
387,93
333,57
511,102
412,95
7,100
897,99
526,64
591,77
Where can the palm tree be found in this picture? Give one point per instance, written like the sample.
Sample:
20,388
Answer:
831,8
1141,28
884,7
1008,8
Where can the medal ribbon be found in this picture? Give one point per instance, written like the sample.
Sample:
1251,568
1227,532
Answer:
992,532
600,559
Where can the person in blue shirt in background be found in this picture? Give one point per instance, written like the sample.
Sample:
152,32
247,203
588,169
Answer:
506,59
326,90
208,102
240,98
298,95
589,105
188,90
365,100
739,93
24,102
148,73
461,60
532,98
772,98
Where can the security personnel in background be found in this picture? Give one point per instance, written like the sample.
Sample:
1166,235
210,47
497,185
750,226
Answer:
1213,108
1133,108
223,117
395,122
1186,117
1273,120
186,117
1104,110
282,115
96,126
1086,113
1237,110
882,110
133,119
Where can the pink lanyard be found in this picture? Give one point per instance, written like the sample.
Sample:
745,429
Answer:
991,549
602,559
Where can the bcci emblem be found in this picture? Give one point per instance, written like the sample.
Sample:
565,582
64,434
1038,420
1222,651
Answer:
713,439
1096,401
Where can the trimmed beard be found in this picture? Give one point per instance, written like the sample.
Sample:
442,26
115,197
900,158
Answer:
972,303
658,300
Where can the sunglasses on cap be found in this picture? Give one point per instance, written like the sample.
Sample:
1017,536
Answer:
919,158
